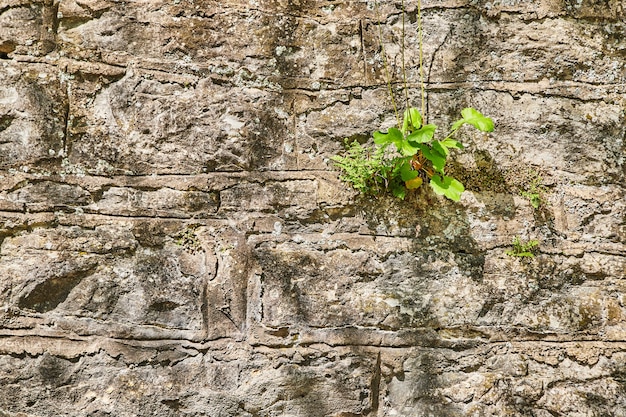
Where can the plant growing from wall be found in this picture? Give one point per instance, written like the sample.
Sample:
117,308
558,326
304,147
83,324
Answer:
534,191
522,249
416,155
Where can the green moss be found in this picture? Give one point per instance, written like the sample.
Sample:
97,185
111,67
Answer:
485,177
189,240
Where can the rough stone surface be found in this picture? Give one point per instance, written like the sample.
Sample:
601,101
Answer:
175,242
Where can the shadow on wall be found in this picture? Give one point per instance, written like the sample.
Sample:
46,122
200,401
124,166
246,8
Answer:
390,286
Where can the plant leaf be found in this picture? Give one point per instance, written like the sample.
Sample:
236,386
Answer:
393,135
476,119
438,160
423,134
447,186
535,201
412,120
456,125
406,172
399,191
439,147
414,183
451,143
407,149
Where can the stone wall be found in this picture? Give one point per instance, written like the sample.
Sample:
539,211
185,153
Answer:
175,242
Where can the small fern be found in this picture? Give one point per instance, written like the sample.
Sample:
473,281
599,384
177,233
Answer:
365,169
534,192
523,249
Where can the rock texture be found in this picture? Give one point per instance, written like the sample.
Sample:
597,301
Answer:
175,242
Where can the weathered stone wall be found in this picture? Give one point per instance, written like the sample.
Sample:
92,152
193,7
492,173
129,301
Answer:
174,241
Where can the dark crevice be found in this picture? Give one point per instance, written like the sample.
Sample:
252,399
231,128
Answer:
280,332
66,128
49,294
488,306
204,308
363,50
163,306
5,120
172,404
97,194
8,7
24,227
375,387
49,27
225,310
55,18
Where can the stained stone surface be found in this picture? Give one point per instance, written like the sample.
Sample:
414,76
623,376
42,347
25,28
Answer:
174,240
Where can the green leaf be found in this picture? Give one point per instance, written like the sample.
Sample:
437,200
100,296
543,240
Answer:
399,191
451,143
423,134
407,149
438,160
476,119
447,186
456,125
440,148
412,120
534,198
407,173
396,137
413,184
393,135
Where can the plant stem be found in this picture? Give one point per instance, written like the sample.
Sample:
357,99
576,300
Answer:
386,65
452,132
402,45
421,53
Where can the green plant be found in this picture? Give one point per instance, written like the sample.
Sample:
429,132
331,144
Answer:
416,156
366,169
523,249
534,192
